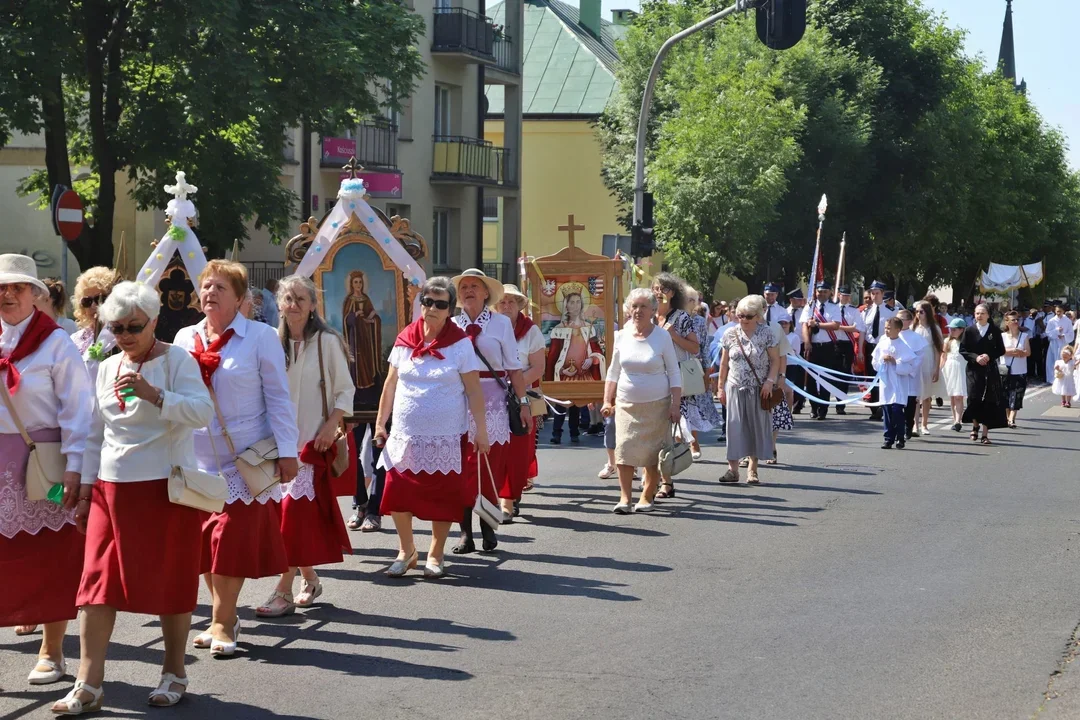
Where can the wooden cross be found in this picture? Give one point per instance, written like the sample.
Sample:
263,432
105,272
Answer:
570,227
352,167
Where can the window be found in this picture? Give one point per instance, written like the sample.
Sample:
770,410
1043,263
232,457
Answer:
443,4
388,112
491,209
440,235
442,110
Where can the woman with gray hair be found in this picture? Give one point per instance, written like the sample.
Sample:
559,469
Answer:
643,391
311,523
142,550
749,365
47,399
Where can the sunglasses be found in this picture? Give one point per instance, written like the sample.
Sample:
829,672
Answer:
86,302
746,317
117,329
437,304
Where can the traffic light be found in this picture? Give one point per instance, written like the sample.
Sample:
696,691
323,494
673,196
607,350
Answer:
642,243
781,23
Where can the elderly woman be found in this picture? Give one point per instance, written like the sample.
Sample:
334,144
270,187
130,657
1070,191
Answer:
698,410
981,346
91,290
433,371
55,303
493,340
243,365
141,549
311,522
521,464
47,398
749,365
644,392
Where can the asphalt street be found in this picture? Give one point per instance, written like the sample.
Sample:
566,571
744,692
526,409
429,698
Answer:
933,582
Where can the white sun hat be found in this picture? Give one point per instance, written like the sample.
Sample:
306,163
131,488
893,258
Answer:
16,268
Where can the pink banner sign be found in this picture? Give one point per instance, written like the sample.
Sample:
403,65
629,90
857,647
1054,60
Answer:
338,150
380,185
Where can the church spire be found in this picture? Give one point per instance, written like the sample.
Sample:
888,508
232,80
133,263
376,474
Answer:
1007,53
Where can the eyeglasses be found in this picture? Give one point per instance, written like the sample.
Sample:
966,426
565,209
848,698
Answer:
86,302
16,288
745,317
117,329
437,304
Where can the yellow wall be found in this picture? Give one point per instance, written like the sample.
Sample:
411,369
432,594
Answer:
560,175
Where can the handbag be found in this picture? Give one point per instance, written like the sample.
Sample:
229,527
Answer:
537,403
45,466
341,443
257,465
487,511
195,488
776,396
513,407
675,457
693,377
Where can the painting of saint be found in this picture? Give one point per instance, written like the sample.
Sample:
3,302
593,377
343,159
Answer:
362,328
574,353
179,302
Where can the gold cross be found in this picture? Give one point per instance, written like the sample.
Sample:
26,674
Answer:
352,167
570,227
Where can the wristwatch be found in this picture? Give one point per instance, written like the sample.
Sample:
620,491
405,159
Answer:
524,400
160,401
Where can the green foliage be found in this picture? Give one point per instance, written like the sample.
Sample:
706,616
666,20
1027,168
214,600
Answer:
932,165
148,87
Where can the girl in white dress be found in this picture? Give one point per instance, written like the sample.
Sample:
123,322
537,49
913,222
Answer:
954,371
1064,385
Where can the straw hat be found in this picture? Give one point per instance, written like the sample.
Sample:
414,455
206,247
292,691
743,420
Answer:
512,291
495,288
20,269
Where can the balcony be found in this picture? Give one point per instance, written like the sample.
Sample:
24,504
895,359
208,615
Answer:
469,161
373,143
507,67
465,34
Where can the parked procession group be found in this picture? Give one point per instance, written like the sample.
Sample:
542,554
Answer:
264,411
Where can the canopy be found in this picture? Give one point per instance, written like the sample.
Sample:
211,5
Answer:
1002,279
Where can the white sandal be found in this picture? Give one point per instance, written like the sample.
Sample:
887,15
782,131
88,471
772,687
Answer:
72,705
223,648
266,609
55,673
309,592
202,641
171,696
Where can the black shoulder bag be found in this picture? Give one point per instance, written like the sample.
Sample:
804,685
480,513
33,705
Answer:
513,407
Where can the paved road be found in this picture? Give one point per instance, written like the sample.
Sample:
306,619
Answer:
939,581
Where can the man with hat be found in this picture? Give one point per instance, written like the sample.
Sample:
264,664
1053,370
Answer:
795,374
773,313
874,318
819,322
848,338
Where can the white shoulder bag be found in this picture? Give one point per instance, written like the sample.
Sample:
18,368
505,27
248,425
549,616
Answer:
45,466
258,463
487,511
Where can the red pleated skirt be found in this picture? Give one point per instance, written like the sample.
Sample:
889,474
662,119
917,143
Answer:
41,576
314,532
345,484
244,541
143,553
520,465
435,497
498,458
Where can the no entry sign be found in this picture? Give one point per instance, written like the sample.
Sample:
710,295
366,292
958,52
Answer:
69,215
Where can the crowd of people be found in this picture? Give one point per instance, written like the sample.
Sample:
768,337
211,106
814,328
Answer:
134,471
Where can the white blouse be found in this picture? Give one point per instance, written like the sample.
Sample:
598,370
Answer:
430,409
644,369
141,442
55,391
252,390
496,340
304,382
531,343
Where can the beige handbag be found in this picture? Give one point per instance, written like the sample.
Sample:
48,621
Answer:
195,488
693,377
675,456
258,463
487,511
341,460
45,465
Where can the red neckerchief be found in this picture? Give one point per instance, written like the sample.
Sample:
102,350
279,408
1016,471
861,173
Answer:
473,328
209,358
522,326
41,326
413,337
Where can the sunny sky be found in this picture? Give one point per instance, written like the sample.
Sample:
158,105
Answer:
1047,50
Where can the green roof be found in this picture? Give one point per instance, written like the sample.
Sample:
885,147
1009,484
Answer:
567,70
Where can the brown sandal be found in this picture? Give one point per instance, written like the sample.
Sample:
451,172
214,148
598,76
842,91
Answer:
731,477
753,479
663,492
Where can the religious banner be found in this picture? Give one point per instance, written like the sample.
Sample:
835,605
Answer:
577,302
1003,279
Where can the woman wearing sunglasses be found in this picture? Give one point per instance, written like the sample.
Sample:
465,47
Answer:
433,373
142,551
91,290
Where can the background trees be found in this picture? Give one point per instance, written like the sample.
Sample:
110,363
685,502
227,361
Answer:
147,87
932,165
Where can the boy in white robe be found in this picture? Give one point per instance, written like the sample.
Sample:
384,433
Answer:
895,363
918,345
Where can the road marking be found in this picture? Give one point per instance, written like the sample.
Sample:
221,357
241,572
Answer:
943,424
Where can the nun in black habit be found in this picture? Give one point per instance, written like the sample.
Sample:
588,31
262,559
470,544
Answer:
981,346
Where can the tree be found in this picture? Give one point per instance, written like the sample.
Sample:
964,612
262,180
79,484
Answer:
143,88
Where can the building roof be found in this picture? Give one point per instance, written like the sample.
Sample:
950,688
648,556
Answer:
567,71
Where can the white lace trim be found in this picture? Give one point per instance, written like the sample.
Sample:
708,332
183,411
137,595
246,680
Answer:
498,419
238,489
302,486
432,454
17,514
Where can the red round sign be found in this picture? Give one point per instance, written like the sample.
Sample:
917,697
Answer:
69,215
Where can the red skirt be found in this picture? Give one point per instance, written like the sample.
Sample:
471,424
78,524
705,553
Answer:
142,551
244,541
497,458
41,573
345,484
436,497
520,465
